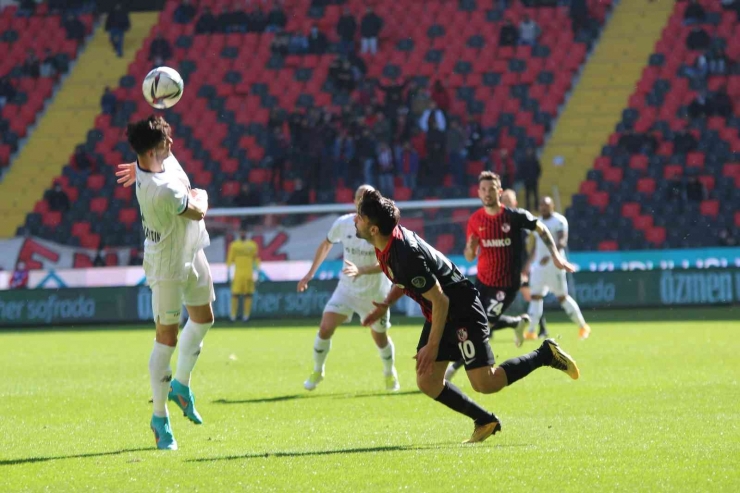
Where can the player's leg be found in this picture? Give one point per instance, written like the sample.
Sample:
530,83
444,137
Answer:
248,297
322,344
166,307
336,312
238,289
538,290
527,295
198,296
379,332
560,290
435,386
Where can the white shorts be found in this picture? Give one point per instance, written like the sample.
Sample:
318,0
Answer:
169,296
542,280
348,304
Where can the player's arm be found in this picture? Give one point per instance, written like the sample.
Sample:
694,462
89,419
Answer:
471,246
380,310
321,252
549,242
427,356
126,174
351,270
530,248
197,205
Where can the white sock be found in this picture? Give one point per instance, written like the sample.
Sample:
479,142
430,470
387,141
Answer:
160,375
574,312
321,349
191,342
388,357
536,307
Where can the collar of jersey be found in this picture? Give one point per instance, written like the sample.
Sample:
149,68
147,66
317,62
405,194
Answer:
146,170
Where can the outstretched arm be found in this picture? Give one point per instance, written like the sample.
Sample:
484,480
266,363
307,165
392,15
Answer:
321,252
547,239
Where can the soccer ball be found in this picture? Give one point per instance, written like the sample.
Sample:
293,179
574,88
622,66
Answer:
162,87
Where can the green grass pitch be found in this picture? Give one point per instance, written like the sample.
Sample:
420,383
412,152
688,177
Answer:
656,409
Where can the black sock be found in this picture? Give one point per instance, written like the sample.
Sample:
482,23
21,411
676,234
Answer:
506,322
458,364
543,325
453,398
521,366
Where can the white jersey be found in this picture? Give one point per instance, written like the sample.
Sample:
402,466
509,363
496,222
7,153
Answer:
171,240
362,254
556,223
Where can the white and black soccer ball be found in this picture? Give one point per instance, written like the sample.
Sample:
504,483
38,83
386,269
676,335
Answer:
163,87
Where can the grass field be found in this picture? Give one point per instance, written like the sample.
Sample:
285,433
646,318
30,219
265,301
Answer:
656,409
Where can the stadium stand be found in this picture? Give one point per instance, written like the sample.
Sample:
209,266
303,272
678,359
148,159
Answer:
673,162
240,85
36,53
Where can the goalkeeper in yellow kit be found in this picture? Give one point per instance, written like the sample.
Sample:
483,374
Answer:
244,254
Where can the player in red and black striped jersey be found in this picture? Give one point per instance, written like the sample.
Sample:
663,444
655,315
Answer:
456,324
495,235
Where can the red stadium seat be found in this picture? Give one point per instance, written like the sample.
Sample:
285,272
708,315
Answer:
631,209
80,229
51,219
445,243
344,195
599,199
709,208
128,216
656,235
608,246
646,185
99,205
643,222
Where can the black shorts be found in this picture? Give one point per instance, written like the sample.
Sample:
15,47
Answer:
465,335
496,300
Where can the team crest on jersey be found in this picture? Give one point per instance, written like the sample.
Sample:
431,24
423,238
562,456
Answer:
462,334
506,227
500,296
419,282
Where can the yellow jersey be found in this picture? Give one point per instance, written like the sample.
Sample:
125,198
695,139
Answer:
245,255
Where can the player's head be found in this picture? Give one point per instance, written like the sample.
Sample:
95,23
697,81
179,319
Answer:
150,137
376,216
360,192
546,207
242,235
489,188
508,198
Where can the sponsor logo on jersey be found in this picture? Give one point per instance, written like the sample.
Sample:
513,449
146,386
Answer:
462,334
506,227
502,242
419,282
500,295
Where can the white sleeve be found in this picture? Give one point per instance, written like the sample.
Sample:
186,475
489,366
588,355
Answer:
564,224
335,232
173,198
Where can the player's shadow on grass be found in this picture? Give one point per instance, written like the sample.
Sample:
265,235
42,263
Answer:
291,397
313,453
31,460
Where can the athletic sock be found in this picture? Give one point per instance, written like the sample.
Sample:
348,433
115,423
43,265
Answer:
536,307
543,326
574,312
452,397
191,343
521,366
321,349
506,322
247,307
160,375
234,306
388,357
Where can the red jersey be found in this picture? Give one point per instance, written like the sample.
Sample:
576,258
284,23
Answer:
500,245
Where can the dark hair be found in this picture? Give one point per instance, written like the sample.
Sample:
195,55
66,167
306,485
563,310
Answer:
145,135
381,212
489,175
